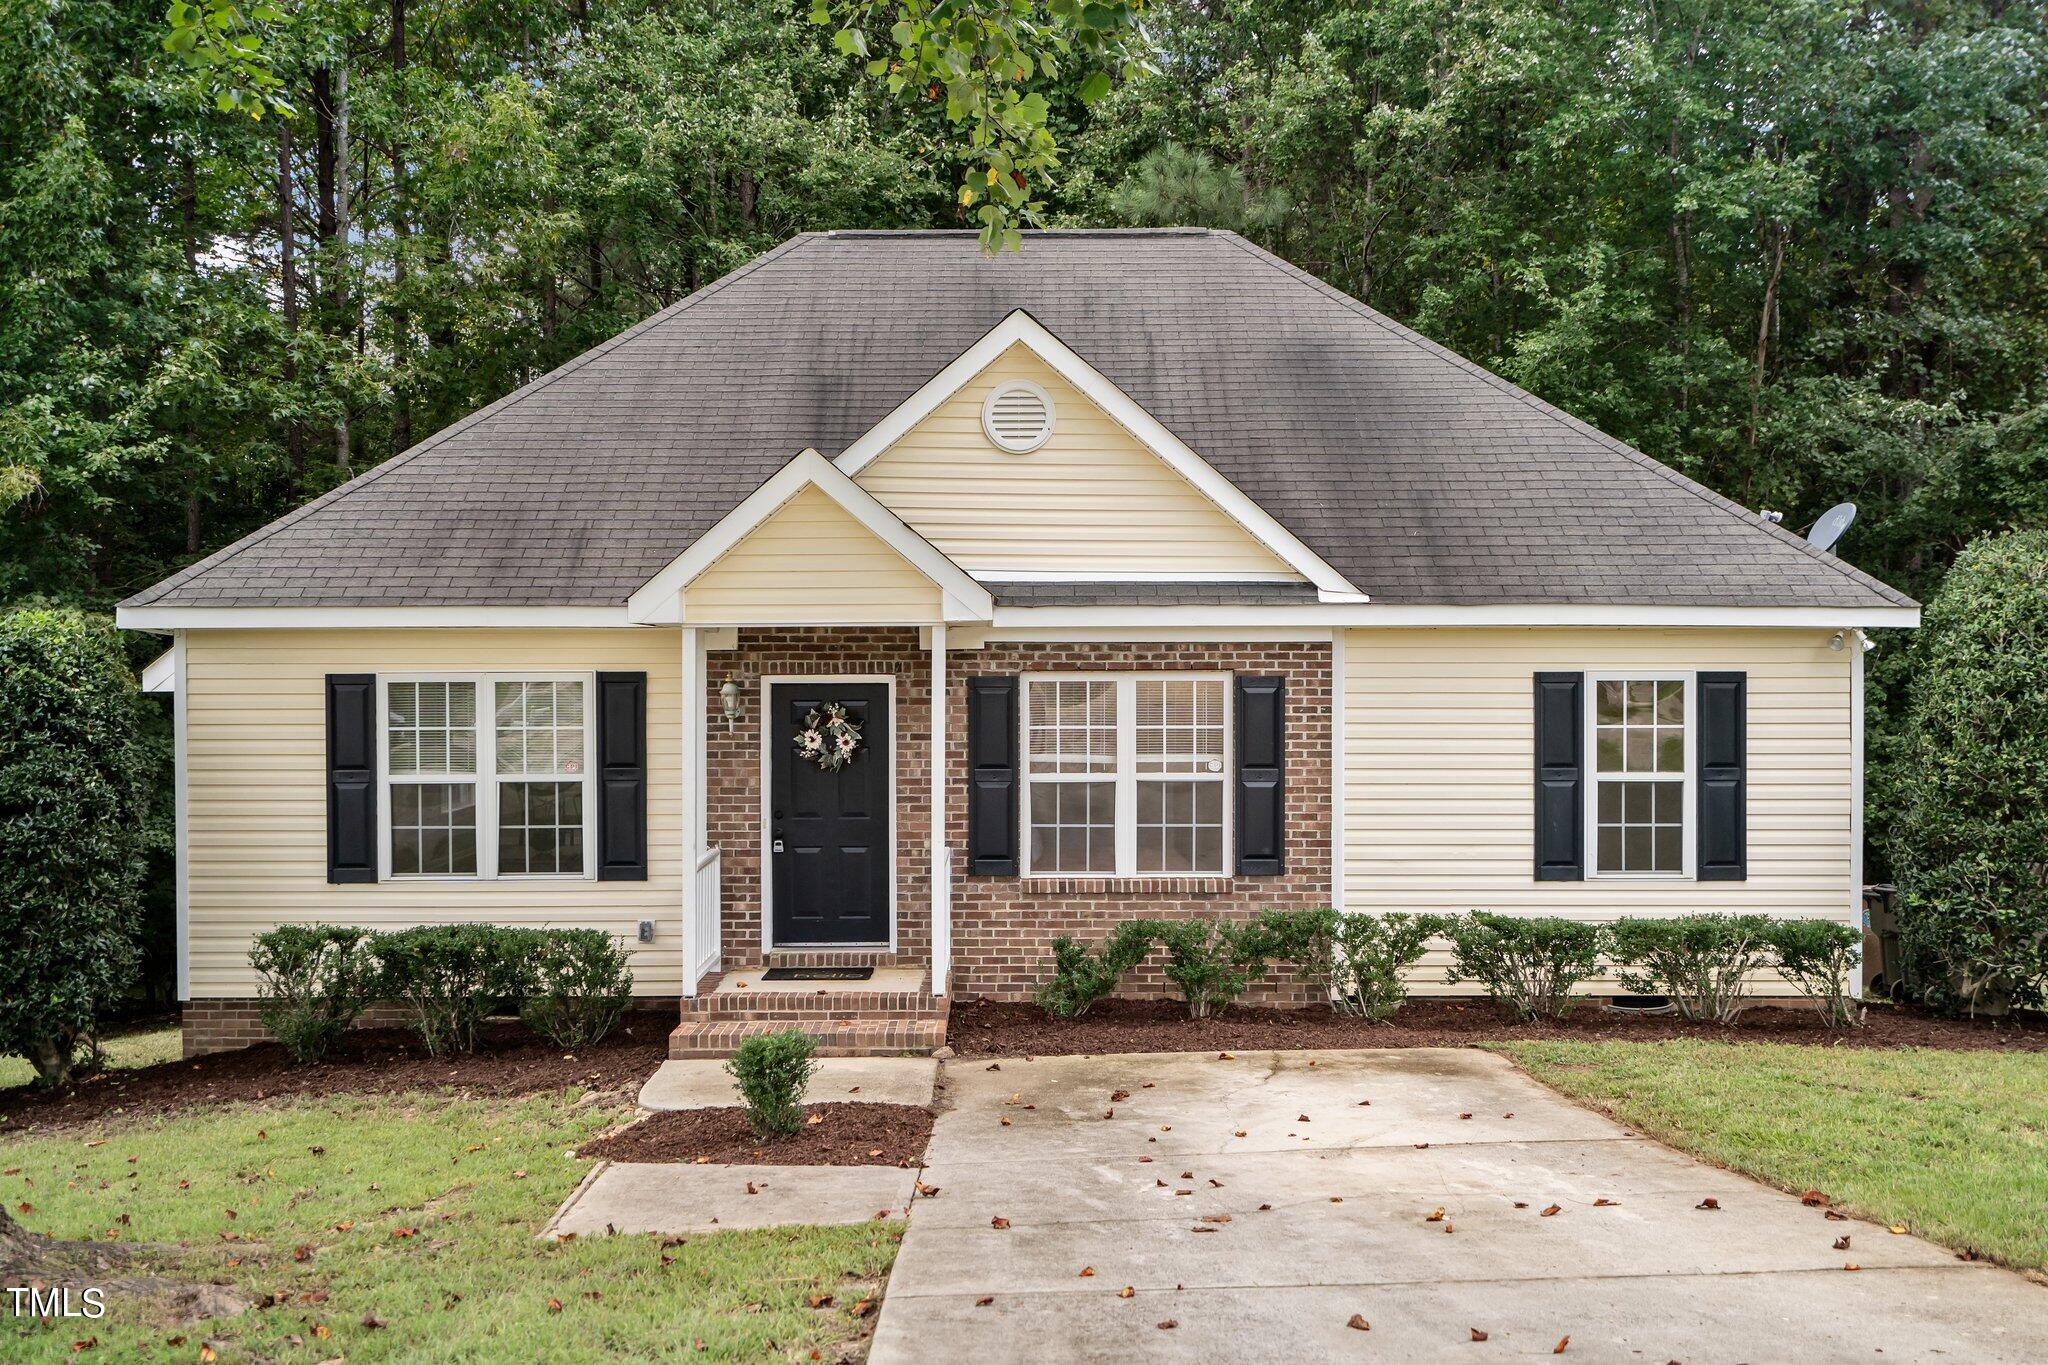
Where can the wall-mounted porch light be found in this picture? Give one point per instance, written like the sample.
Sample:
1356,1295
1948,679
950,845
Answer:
729,702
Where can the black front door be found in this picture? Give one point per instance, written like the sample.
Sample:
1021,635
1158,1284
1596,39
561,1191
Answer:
828,832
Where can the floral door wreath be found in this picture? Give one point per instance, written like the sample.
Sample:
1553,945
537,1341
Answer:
829,738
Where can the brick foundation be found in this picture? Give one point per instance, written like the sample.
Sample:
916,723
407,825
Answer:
223,1025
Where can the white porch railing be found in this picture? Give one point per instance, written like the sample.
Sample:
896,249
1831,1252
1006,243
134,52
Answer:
705,916
942,920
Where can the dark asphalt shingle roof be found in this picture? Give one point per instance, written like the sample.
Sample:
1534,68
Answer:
1417,474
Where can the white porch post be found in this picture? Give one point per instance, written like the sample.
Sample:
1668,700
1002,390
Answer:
692,755
942,858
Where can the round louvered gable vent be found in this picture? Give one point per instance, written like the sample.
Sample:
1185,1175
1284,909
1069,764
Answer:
1017,417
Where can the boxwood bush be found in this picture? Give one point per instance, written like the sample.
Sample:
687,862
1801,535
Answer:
317,979
1702,962
452,977
1082,975
772,1071
1528,964
578,987
1821,958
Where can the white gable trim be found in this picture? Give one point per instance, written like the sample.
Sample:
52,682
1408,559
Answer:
1021,328
659,600
161,675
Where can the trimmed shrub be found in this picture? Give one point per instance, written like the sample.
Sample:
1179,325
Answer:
1701,961
1821,957
1373,954
1211,962
772,1070
317,979
1529,965
454,976
579,986
1969,844
1306,938
1082,975
75,773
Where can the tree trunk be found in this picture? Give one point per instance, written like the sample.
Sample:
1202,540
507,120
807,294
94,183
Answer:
323,154
338,249
401,228
288,285
1775,234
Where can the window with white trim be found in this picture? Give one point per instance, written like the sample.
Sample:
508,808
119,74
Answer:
1126,775
1641,760
504,795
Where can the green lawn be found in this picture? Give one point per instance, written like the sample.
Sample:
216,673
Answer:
1954,1145
419,1213
130,1049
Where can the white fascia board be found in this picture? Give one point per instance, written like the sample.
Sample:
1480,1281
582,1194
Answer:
161,673
1021,327
657,599
1331,615
365,618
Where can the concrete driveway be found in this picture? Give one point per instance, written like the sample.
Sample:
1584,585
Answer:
1254,1204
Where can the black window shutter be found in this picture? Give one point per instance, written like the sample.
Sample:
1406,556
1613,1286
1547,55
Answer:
1560,773
1723,803
992,776
1261,776
622,777
351,777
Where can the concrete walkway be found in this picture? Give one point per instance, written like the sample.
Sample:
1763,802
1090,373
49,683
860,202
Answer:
704,1084
1253,1205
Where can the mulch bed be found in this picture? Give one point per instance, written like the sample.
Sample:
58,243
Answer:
987,1028
853,1134
510,1061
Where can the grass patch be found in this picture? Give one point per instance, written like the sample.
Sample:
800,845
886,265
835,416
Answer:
417,1212
128,1050
1954,1145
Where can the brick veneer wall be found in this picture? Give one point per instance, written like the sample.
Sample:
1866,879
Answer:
732,776
1003,927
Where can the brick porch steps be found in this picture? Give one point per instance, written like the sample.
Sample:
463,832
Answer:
845,1021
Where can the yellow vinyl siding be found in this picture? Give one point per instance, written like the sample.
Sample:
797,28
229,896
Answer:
1092,499
256,783
1439,780
811,563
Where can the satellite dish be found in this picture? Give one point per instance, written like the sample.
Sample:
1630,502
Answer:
1831,525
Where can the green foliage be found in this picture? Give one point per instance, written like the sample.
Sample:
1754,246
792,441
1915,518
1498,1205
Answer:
1700,961
1174,186
1306,938
454,976
75,770
1082,975
1374,953
1527,964
1210,961
772,1070
1821,957
1970,847
317,979
994,65
219,39
578,986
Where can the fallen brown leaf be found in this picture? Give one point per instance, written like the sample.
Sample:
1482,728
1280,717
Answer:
1086,1271
1562,1342
554,1305
1477,1335
999,1223
1170,1324
1708,1203
1126,1292
1551,1212
1842,1242
1435,1217
986,1299
1814,1199
1358,1323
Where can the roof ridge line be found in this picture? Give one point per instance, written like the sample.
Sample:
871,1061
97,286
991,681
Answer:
404,457
1557,414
